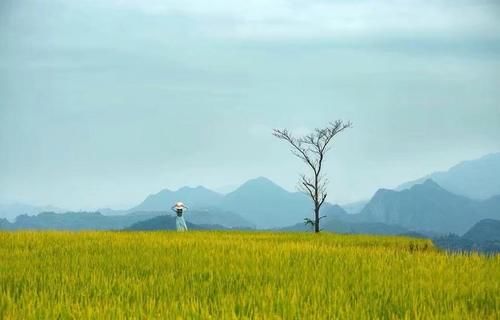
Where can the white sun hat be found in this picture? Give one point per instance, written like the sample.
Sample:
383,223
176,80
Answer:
179,205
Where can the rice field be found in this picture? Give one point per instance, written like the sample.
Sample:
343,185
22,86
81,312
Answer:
248,275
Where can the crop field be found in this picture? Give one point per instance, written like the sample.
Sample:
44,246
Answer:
226,275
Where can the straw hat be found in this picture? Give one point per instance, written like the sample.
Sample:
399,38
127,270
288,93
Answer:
179,205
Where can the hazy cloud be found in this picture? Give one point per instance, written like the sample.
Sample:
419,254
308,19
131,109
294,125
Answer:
337,18
104,102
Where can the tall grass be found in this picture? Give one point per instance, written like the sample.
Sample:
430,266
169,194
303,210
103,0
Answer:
224,275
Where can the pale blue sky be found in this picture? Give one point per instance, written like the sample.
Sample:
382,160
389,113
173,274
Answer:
104,102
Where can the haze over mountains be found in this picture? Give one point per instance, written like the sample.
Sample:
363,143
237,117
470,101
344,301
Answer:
72,221
428,207
199,197
425,207
484,236
267,204
10,211
260,201
421,205
476,179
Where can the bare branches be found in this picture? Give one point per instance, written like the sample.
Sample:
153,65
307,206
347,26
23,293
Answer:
323,198
326,135
312,149
307,186
297,146
313,223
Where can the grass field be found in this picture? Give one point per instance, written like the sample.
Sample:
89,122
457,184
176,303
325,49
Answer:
224,275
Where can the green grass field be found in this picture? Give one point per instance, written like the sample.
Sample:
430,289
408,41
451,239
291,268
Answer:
224,275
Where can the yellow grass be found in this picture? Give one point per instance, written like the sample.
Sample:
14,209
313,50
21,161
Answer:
224,275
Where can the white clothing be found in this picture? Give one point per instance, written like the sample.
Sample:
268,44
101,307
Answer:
181,224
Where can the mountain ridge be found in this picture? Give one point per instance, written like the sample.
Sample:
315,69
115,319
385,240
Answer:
266,204
476,179
427,207
194,197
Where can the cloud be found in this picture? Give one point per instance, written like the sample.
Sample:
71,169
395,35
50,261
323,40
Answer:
90,87
319,18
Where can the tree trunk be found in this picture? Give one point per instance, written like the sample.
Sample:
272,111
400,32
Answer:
316,219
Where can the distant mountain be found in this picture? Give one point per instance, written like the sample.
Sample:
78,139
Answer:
73,221
97,221
166,222
490,206
4,224
215,216
484,230
484,237
427,207
339,221
333,211
194,198
454,243
208,216
10,211
257,203
112,212
339,226
355,207
329,212
266,204
476,179
226,189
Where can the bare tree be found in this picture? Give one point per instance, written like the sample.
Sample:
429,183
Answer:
312,149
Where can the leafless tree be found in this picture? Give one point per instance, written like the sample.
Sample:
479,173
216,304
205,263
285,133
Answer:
312,149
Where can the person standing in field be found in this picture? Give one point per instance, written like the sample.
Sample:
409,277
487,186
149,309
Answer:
179,209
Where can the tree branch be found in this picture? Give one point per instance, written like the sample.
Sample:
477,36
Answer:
297,146
312,149
323,198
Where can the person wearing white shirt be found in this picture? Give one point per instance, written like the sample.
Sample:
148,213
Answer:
179,209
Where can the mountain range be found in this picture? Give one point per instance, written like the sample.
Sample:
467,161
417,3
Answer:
266,204
98,221
427,207
484,230
421,206
10,211
207,216
72,221
346,227
259,201
199,197
168,223
476,179
484,237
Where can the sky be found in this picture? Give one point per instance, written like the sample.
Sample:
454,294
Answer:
104,102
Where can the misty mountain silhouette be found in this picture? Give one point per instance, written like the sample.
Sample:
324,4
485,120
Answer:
207,216
97,221
345,227
199,197
476,179
167,222
484,237
258,202
484,230
10,211
427,207
266,204
72,221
